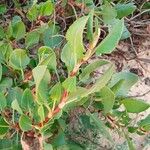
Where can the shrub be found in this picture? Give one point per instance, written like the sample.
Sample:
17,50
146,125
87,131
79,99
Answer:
39,85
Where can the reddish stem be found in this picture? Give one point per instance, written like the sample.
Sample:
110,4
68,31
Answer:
72,74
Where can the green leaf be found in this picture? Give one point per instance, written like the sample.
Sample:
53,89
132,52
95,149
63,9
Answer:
10,143
27,100
112,39
99,84
41,112
5,83
16,19
100,125
132,129
39,73
55,92
42,91
126,34
67,57
129,80
3,102
2,33
19,30
134,105
47,57
3,9
5,51
32,14
59,140
146,5
32,38
86,121
70,84
90,68
1,71
107,98
4,127
46,8
47,146
103,80
145,123
74,37
124,10
25,123
78,94
90,26
108,13
52,37
16,106
41,29
14,93
96,24
34,114
9,30
42,78
19,59
117,86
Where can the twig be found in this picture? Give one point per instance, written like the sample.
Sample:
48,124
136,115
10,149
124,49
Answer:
20,12
139,95
147,10
133,46
64,21
65,94
144,60
139,61
74,10
141,34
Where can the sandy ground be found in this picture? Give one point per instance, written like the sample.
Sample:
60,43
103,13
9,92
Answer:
140,66
137,60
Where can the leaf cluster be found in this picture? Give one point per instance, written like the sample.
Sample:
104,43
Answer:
37,94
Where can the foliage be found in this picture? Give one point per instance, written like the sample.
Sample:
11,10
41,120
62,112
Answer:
43,76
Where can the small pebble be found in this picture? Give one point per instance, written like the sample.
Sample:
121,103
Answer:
147,81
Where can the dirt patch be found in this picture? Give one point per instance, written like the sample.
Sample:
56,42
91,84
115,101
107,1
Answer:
134,55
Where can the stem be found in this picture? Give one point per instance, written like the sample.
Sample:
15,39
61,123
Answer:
13,117
57,75
22,74
65,94
145,11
